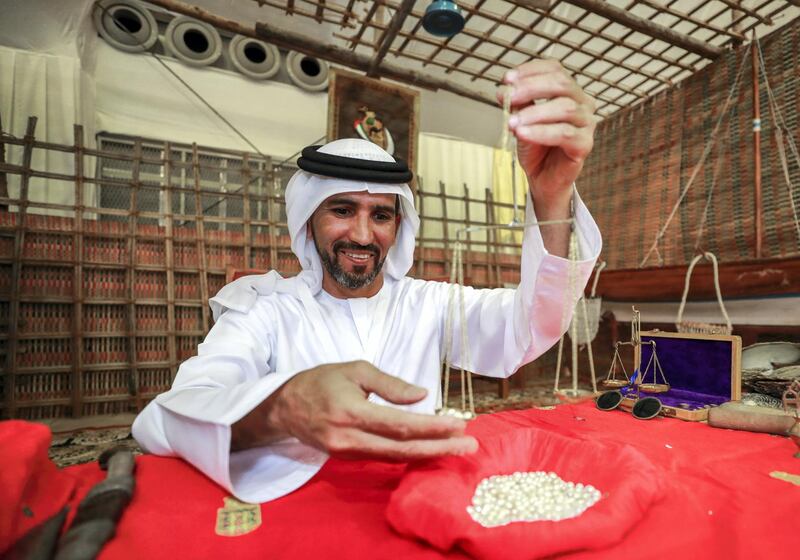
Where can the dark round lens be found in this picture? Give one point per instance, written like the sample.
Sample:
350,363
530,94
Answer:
646,408
609,400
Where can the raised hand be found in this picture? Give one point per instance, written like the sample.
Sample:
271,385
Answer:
554,124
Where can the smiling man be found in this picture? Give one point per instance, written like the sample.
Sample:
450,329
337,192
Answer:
344,358
352,233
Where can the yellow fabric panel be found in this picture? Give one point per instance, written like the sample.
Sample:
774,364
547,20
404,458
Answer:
502,192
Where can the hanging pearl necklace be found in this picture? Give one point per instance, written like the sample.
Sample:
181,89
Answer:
529,496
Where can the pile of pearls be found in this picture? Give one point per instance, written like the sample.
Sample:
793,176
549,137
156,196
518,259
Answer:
529,496
456,413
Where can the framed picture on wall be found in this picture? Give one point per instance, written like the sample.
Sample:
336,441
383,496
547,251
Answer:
384,113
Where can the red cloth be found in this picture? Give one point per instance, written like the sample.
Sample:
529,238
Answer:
32,489
431,501
718,501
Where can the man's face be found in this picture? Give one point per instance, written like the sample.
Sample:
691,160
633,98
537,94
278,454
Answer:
353,232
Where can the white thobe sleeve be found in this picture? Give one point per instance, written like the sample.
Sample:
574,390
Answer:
227,379
509,328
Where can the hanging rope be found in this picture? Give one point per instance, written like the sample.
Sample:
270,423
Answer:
456,290
781,139
717,166
706,150
696,327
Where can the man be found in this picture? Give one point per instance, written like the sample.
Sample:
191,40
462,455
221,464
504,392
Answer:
344,358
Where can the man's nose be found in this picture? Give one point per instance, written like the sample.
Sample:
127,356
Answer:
361,231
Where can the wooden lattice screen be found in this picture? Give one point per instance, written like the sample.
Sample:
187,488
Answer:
102,296
645,155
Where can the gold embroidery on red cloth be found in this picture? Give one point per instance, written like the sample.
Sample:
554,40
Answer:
237,518
786,477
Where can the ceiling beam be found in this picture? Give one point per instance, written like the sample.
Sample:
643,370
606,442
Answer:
389,35
737,5
332,53
636,23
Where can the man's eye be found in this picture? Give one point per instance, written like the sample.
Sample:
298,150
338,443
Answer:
382,217
340,211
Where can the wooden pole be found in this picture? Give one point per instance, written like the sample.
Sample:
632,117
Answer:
642,25
169,253
389,35
132,280
758,210
78,289
200,233
10,369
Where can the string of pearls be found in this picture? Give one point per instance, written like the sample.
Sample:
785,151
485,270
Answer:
529,496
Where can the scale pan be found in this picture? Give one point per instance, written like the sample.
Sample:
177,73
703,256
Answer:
615,382
572,397
653,387
455,413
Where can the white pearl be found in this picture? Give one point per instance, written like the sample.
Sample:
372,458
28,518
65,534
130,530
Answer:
529,496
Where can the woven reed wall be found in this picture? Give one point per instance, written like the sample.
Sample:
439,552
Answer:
101,299
646,154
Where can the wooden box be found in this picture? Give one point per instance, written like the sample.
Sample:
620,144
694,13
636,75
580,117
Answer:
702,371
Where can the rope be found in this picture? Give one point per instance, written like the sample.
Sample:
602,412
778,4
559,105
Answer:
777,117
600,267
709,256
456,289
699,164
717,166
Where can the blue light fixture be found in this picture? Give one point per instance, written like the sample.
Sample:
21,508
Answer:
443,18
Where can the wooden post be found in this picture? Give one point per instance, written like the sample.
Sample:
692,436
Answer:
758,209
16,272
201,239
130,277
468,223
493,263
448,265
271,187
246,208
77,279
3,177
169,250
421,244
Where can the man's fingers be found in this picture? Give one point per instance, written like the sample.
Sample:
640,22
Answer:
560,109
362,445
401,425
576,143
546,86
389,388
532,68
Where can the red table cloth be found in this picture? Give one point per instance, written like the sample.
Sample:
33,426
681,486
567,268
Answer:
718,499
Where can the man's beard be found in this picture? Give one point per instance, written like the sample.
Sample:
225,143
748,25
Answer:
351,281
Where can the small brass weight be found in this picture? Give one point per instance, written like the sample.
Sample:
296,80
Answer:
791,404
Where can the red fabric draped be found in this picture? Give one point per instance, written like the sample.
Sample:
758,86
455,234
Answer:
717,500
431,501
32,489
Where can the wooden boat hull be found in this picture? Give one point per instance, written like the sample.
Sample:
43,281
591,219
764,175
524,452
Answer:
757,278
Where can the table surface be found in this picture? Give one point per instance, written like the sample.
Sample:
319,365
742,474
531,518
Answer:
720,500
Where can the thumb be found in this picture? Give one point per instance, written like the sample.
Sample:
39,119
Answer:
388,387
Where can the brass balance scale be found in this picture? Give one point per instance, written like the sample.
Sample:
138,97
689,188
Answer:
651,380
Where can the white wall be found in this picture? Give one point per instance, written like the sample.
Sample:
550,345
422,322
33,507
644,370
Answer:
54,66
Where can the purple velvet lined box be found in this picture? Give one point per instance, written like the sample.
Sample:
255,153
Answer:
701,370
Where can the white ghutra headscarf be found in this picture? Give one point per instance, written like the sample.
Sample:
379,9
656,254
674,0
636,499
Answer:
304,193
